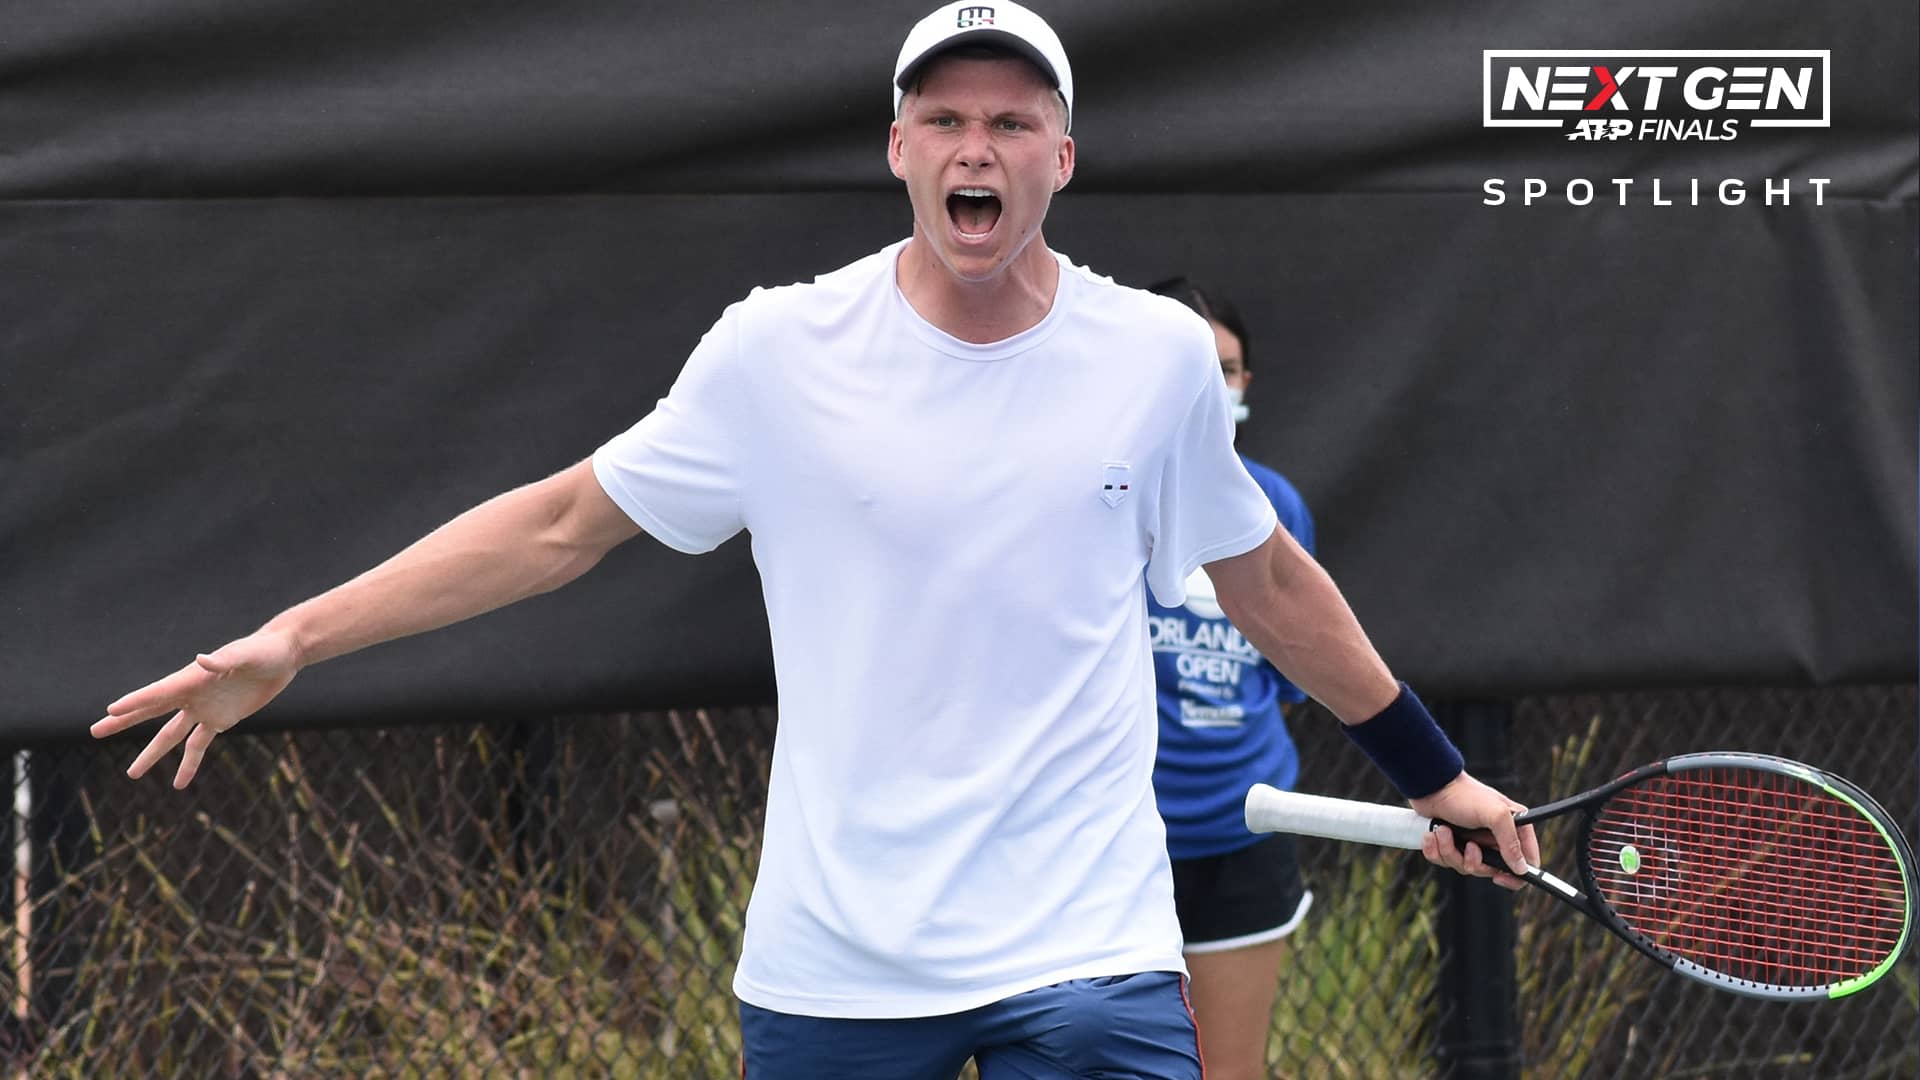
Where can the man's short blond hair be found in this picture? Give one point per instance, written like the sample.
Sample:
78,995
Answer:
981,50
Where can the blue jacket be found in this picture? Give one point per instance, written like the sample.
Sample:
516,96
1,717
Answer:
1220,725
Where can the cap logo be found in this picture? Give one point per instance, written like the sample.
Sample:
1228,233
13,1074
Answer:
973,16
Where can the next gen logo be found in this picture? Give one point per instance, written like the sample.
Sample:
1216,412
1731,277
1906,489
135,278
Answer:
1656,94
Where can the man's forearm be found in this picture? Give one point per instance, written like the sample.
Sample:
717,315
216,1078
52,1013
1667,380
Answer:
519,544
1299,621
1287,606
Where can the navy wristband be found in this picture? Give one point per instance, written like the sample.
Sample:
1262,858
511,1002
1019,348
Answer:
1403,741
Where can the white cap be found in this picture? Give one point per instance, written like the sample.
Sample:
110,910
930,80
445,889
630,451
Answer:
996,22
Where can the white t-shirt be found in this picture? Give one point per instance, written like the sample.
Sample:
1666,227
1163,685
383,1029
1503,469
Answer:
952,540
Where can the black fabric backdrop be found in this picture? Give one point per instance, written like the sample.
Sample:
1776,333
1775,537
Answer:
284,285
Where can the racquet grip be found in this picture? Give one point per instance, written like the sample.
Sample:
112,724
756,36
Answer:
1272,810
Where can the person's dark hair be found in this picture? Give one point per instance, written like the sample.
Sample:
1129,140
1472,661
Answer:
1211,306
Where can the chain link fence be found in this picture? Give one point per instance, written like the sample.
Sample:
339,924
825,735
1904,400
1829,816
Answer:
564,898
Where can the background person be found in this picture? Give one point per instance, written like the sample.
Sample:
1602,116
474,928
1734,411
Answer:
1223,728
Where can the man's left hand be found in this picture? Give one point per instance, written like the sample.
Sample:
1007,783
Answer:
1472,805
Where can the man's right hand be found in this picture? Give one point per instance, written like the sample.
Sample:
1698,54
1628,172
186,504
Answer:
210,695
527,541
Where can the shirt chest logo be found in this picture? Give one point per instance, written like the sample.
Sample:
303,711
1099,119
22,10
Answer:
1116,479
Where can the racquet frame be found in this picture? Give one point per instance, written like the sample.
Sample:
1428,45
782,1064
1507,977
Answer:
1270,810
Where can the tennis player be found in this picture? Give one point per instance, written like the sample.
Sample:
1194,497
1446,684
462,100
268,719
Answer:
959,458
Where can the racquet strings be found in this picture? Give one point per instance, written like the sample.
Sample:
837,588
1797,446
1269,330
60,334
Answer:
1753,874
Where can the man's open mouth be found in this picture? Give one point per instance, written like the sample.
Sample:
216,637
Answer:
974,211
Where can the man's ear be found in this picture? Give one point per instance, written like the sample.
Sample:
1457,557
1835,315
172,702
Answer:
896,155
1066,163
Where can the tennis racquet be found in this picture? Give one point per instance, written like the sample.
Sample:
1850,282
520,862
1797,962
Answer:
1750,873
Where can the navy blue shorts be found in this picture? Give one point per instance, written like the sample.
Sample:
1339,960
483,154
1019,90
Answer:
1123,1026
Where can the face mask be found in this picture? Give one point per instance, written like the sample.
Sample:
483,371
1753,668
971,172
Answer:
1234,394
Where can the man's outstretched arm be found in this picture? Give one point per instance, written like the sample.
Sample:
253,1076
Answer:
528,541
1285,604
